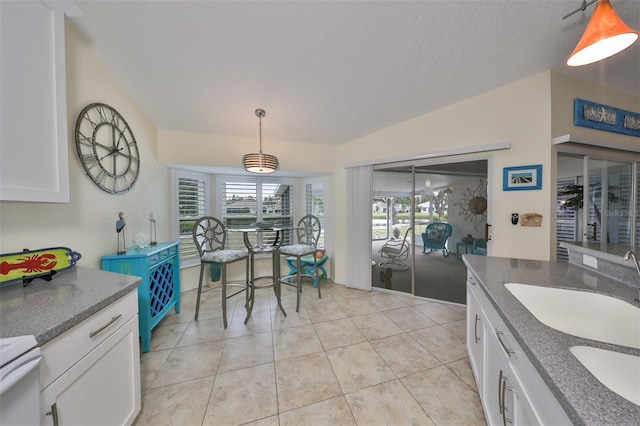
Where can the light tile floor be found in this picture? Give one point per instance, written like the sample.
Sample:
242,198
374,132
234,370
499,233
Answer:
350,358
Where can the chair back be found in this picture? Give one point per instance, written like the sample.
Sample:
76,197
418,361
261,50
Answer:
209,234
406,234
442,231
309,230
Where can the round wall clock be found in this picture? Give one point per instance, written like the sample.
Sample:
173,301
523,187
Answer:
107,148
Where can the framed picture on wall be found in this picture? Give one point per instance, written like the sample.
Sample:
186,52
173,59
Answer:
522,178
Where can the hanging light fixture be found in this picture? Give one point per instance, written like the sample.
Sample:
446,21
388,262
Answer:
259,162
605,35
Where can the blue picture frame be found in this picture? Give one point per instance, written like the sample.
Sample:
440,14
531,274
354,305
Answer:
522,178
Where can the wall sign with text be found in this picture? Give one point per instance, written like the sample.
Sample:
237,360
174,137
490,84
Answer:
603,117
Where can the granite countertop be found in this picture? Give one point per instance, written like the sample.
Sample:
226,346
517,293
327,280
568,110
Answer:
46,309
583,397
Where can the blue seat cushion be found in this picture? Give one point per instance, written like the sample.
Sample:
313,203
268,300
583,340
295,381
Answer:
224,256
297,249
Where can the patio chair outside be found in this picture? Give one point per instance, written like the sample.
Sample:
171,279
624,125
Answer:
435,237
396,252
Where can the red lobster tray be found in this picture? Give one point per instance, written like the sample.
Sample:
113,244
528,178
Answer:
29,264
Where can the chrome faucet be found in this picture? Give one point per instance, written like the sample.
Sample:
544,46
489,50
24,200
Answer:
628,256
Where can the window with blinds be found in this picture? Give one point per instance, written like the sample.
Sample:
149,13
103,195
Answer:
245,201
192,204
566,225
314,204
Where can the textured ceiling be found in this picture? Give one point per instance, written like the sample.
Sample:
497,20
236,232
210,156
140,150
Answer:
329,72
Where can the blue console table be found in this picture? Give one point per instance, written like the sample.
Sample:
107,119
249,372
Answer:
159,267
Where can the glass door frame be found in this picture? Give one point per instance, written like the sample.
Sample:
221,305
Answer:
433,161
589,154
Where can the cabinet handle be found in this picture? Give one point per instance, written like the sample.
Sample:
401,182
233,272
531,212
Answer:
114,319
505,388
506,349
475,329
500,399
53,412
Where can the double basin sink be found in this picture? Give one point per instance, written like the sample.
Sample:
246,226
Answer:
596,317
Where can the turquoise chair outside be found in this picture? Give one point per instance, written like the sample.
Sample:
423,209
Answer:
479,247
435,237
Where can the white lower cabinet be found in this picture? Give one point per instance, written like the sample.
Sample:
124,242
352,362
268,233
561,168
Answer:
101,386
511,390
475,335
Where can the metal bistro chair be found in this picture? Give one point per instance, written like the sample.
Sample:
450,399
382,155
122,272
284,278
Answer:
209,235
308,233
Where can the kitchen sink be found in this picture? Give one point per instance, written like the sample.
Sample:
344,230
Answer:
583,314
617,371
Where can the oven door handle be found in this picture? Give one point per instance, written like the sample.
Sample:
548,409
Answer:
20,370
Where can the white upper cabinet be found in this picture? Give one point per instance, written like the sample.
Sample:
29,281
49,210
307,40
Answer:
34,163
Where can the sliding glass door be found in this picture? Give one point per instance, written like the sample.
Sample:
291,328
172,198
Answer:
426,215
597,201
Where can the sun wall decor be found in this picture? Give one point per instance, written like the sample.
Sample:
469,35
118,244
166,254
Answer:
473,207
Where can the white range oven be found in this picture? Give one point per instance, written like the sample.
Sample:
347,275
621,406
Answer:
20,359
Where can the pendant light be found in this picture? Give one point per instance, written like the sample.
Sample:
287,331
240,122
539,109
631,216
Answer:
605,35
259,162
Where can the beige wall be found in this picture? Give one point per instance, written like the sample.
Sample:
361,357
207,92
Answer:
565,89
87,223
518,113
227,151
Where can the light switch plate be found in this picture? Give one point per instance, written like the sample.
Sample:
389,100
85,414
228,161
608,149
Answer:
590,261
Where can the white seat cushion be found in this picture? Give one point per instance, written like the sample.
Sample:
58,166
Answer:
297,249
224,256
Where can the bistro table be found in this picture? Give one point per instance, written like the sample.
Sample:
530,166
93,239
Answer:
260,248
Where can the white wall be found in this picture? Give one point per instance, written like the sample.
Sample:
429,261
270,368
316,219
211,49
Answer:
87,223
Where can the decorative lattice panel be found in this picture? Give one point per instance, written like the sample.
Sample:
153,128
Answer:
161,287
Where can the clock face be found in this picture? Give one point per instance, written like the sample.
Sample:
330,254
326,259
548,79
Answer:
107,148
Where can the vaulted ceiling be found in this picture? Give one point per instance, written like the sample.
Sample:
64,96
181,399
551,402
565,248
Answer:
328,72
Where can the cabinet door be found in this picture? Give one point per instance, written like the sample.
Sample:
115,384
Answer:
475,334
33,108
498,393
525,414
103,388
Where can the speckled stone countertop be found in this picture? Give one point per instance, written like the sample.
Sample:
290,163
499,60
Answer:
46,309
583,397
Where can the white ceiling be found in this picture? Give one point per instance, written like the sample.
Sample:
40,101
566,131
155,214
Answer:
327,72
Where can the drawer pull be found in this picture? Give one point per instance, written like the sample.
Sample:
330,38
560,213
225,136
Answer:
54,414
475,329
503,388
499,334
500,400
114,319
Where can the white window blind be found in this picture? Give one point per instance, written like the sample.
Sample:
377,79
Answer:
566,226
314,204
245,201
192,205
